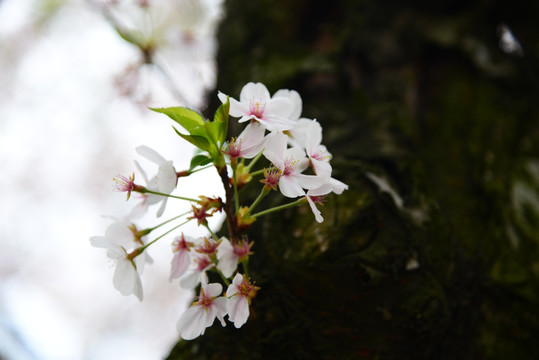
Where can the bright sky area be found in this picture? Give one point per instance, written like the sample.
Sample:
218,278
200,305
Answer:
65,132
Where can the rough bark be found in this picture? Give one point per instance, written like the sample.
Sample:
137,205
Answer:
421,94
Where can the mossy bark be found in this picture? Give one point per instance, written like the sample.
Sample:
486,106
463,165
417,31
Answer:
419,94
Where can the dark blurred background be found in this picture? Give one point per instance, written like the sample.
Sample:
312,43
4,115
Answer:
429,109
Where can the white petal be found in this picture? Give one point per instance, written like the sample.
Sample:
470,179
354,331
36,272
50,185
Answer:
126,279
228,263
162,208
100,242
309,181
252,140
289,187
316,212
166,177
120,233
190,279
274,122
220,306
238,109
254,91
281,107
225,247
238,310
191,323
322,168
150,154
294,98
276,144
313,135
213,289
337,186
142,172
179,264
233,288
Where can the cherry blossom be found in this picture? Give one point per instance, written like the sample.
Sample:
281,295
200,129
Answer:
249,143
317,195
308,135
257,104
196,273
164,181
203,312
181,259
291,162
239,295
229,255
294,97
126,277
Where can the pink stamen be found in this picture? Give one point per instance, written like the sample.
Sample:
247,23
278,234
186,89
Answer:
256,108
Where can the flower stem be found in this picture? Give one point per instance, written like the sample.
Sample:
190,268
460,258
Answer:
211,232
162,235
262,195
258,172
278,208
166,222
248,167
144,191
225,280
200,169
245,264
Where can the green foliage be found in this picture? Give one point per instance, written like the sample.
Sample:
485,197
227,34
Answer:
208,136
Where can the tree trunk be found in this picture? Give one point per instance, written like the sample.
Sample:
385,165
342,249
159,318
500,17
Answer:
420,97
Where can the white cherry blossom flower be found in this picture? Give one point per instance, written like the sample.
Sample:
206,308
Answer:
126,277
308,135
291,163
317,195
295,99
196,273
239,295
164,181
203,312
249,143
181,259
257,104
229,255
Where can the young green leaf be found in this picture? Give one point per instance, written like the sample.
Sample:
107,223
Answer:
200,142
221,118
187,118
199,160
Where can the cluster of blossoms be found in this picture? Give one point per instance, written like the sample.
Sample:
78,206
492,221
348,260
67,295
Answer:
276,131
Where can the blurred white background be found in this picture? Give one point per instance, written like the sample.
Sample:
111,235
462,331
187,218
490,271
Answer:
73,107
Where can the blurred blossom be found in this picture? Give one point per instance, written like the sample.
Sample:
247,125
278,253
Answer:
58,62
175,40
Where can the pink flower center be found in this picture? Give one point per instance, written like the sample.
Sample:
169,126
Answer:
256,108
204,300
203,262
181,244
124,184
320,155
241,249
209,247
289,166
246,289
234,148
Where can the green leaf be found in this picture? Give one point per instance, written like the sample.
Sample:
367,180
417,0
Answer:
200,142
221,118
189,119
199,160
